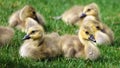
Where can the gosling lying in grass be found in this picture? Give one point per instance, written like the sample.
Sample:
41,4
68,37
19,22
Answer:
81,46
103,34
38,45
76,14
6,34
17,19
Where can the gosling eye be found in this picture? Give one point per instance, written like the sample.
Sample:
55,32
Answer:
33,32
87,32
33,12
88,10
98,27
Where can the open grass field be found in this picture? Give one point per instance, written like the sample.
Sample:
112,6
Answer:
110,15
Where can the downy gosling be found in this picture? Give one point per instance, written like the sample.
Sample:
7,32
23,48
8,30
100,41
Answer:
103,34
17,19
81,46
76,14
37,44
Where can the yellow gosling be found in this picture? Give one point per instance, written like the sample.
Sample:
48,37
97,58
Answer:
103,34
37,44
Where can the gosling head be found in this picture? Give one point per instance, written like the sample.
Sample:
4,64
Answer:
90,10
86,34
27,11
33,30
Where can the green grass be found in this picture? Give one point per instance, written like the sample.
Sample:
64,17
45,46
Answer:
110,14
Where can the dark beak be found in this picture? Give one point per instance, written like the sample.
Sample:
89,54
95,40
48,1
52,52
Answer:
83,15
92,38
26,37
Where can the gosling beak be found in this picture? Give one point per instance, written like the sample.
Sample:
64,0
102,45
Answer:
83,15
92,38
26,37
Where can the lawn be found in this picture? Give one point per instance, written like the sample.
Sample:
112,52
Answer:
110,15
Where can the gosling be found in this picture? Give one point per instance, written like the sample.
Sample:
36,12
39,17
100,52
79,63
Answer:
17,19
37,44
103,34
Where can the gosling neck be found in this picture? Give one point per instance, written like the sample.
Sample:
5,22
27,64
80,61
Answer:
39,42
98,18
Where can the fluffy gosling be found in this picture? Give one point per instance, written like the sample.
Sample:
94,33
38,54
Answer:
17,19
81,46
76,14
38,45
103,34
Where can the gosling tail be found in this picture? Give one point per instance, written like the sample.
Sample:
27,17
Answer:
57,17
